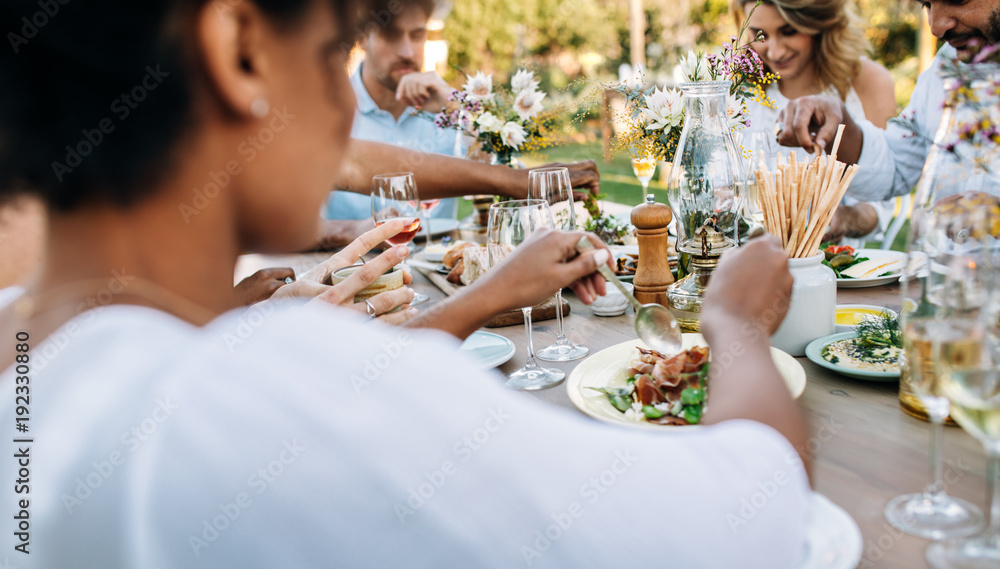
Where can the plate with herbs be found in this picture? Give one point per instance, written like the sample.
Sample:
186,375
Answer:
871,352
602,386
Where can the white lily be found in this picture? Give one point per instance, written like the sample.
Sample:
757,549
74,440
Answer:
735,111
694,67
479,87
523,81
528,104
488,122
663,109
513,135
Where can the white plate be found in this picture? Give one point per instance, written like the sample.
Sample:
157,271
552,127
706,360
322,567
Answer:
609,368
875,281
440,225
490,349
833,540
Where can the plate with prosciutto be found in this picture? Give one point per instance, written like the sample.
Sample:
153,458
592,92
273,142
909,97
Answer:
633,385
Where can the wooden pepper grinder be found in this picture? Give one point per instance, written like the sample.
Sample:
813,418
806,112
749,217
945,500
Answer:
652,276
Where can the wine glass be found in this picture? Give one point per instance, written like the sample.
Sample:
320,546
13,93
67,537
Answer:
755,146
394,196
644,165
939,234
510,224
970,379
426,206
552,185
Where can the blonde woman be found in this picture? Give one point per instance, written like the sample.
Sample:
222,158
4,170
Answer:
817,47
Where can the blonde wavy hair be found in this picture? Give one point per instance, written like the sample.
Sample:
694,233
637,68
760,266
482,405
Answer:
838,32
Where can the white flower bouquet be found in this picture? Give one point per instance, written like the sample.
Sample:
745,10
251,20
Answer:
503,122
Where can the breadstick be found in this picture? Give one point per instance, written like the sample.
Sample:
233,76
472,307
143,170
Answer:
779,178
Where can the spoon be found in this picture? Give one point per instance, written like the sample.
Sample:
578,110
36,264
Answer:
654,323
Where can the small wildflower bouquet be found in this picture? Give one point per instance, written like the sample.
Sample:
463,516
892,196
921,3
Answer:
972,92
503,122
655,117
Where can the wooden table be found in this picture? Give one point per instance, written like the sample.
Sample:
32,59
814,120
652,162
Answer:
866,449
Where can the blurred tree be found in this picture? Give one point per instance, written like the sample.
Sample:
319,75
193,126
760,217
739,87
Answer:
564,40
892,29
500,35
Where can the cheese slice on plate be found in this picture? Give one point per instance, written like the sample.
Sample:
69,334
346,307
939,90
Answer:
873,268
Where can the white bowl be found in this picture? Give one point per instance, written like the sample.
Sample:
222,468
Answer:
613,303
868,310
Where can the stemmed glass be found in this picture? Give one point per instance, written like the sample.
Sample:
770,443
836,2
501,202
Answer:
936,238
644,165
426,207
552,185
756,146
970,379
394,196
510,224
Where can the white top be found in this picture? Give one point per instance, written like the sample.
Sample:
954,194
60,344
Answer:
763,119
291,437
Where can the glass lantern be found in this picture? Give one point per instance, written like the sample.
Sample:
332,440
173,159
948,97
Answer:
704,193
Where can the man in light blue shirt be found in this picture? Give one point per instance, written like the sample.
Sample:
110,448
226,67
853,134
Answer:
389,88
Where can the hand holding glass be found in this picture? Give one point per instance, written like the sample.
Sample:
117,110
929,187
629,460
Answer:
510,224
394,196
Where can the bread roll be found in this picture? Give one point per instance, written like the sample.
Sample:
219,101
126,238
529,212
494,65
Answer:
476,261
455,276
455,254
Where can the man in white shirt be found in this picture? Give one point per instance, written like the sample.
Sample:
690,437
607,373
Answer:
892,160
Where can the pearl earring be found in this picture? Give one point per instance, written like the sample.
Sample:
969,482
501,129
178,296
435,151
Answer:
259,108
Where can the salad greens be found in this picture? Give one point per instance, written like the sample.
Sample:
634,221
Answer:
840,257
692,400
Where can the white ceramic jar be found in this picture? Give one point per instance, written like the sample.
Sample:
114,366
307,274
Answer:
813,307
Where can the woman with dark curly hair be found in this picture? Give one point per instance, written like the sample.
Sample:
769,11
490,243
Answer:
170,429
819,47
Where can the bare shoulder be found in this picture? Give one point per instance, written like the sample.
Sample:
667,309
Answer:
876,89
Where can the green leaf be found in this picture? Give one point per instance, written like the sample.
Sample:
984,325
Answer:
651,412
692,396
692,414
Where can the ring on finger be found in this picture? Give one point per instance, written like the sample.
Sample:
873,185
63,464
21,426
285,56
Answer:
370,308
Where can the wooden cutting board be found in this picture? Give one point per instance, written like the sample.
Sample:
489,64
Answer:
544,311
